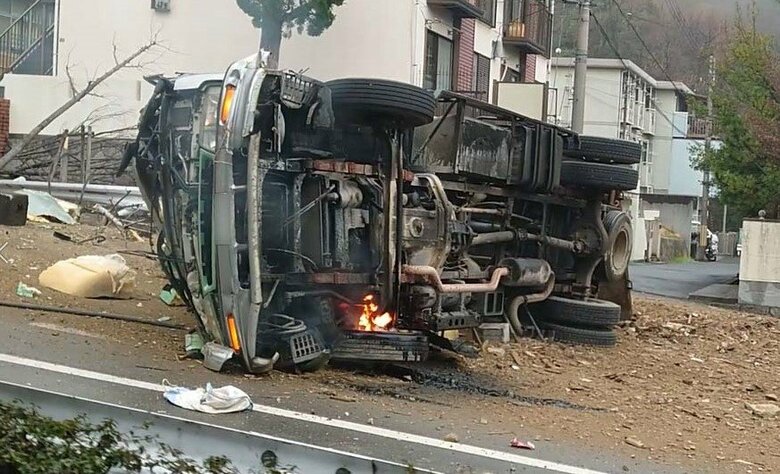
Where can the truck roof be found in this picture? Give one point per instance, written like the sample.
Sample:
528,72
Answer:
195,81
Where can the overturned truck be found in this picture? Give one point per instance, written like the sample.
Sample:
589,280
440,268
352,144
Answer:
363,218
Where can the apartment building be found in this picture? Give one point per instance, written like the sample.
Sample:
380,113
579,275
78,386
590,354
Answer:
493,50
624,101
46,43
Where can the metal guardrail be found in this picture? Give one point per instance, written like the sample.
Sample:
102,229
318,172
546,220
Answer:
199,440
130,196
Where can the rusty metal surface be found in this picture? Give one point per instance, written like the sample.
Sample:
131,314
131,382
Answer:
390,346
431,275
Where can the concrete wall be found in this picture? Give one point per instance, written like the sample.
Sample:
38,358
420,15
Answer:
602,103
675,215
197,35
759,270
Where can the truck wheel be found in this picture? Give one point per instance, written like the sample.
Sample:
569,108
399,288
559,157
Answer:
591,312
606,150
599,176
619,245
378,101
589,337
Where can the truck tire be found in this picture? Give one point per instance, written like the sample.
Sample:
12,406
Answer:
378,101
599,176
619,245
606,150
575,335
591,312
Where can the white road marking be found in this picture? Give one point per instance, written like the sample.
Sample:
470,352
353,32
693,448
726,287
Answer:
347,425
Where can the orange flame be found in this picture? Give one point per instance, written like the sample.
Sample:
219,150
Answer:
370,320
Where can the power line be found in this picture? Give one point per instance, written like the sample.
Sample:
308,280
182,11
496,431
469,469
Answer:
625,64
647,48
679,16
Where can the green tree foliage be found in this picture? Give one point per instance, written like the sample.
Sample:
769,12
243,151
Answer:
36,444
746,170
278,17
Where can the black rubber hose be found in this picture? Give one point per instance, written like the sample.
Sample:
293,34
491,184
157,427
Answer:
94,314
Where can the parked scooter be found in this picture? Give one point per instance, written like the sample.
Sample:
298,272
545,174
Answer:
711,251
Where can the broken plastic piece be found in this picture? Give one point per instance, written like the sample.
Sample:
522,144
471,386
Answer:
516,443
215,356
27,291
43,207
169,296
193,343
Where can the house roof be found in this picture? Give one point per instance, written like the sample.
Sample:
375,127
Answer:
621,64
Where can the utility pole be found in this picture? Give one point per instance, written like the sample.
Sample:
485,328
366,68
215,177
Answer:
705,185
581,67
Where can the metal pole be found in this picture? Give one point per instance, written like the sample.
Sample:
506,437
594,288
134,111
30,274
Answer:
725,215
705,185
581,68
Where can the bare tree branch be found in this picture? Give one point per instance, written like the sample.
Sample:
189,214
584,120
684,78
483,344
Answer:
113,50
74,100
71,82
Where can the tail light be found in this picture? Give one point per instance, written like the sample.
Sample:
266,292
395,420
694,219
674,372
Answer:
227,103
235,342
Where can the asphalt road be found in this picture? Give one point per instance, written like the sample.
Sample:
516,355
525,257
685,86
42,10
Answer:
678,280
286,407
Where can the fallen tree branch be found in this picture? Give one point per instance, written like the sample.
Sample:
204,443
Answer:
73,101
115,220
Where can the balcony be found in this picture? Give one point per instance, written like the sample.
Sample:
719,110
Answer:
649,122
460,8
697,127
27,44
528,26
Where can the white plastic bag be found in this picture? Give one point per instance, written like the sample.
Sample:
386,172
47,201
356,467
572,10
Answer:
227,399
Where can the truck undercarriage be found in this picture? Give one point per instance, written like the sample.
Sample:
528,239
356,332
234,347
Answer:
360,219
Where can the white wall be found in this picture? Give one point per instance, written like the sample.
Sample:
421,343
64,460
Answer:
386,39
602,99
760,251
369,38
197,36
487,42
666,106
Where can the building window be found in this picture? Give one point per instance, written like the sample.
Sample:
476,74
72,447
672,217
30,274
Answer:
28,44
489,11
438,62
480,80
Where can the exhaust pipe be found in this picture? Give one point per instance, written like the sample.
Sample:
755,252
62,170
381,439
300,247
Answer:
432,276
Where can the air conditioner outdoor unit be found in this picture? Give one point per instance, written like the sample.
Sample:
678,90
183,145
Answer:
161,5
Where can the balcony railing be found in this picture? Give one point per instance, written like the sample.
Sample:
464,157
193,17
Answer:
697,127
461,8
649,122
528,25
27,45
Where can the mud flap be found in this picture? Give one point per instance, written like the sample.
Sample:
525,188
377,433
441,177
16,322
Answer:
618,292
